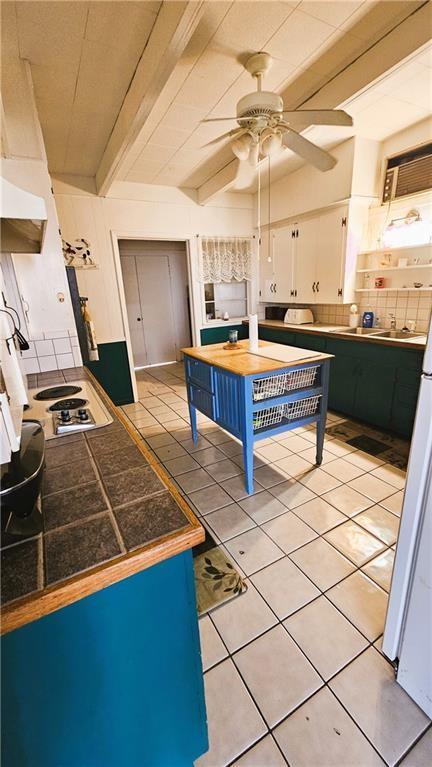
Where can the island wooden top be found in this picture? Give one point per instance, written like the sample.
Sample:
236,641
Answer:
47,599
242,362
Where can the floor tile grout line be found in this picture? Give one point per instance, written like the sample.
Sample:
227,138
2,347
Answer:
279,622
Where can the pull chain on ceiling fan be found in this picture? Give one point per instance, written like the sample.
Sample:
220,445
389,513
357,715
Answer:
264,127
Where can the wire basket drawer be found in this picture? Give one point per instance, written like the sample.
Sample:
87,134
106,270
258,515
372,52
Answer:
269,416
274,386
301,408
301,379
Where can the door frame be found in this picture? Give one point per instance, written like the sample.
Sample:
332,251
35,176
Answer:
192,271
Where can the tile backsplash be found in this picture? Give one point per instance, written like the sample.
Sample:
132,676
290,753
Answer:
52,351
405,305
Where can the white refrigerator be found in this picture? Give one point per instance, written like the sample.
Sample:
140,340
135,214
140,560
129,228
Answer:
408,628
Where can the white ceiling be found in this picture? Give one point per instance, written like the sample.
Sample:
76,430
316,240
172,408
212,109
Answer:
83,56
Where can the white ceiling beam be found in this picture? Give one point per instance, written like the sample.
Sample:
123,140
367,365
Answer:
401,42
221,181
173,28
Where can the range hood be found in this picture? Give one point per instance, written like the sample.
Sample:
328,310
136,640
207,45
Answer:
23,217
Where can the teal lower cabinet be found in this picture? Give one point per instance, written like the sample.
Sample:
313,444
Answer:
112,372
113,680
220,334
374,393
375,383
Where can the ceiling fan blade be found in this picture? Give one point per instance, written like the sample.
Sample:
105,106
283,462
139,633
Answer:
310,152
217,119
318,117
232,133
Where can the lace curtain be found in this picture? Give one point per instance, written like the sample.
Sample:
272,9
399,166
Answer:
225,259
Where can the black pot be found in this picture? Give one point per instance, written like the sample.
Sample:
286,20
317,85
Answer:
21,481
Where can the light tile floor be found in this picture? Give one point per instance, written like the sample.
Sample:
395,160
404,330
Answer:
293,669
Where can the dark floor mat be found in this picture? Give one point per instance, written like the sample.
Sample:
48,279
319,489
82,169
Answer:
367,444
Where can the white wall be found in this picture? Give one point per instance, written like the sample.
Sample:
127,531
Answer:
141,211
41,277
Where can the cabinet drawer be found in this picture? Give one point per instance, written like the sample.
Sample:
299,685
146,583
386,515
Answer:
202,399
200,373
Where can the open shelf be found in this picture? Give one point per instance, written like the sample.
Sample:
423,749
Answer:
393,290
402,249
394,268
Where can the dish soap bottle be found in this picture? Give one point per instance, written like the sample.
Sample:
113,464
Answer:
368,319
354,316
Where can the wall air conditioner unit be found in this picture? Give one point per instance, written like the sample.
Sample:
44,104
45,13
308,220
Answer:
408,173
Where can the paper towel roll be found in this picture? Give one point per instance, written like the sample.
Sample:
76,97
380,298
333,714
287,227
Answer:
253,333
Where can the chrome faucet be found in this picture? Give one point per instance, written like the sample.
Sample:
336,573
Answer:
392,322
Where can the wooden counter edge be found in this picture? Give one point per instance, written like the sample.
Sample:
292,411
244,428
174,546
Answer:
400,344
38,604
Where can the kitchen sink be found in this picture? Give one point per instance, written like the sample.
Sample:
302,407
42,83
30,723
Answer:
399,334
358,331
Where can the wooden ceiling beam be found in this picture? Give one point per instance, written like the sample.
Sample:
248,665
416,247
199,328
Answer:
173,28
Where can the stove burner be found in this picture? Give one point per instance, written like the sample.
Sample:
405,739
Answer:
57,391
68,404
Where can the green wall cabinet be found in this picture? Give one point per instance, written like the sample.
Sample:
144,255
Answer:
374,383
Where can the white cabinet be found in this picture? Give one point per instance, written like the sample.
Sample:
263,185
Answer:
305,258
313,260
266,267
283,256
276,265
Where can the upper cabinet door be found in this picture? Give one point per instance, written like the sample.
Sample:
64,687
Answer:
283,254
306,250
330,255
267,279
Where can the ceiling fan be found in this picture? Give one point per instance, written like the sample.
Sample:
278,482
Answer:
264,127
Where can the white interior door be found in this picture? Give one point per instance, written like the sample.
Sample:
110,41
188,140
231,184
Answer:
154,287
133,306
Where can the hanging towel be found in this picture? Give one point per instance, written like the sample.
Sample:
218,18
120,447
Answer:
90,334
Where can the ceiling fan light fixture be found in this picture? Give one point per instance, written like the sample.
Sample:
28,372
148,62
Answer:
271,142
254,154
241,146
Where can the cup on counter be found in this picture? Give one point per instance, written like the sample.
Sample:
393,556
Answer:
379,282
233,336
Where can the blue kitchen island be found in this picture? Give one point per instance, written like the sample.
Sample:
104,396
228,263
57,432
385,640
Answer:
253,396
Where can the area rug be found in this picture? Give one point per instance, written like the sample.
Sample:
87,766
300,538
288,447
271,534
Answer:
387,447
216,578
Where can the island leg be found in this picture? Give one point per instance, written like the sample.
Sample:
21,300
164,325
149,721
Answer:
247,434
248,464
321,423
193,420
